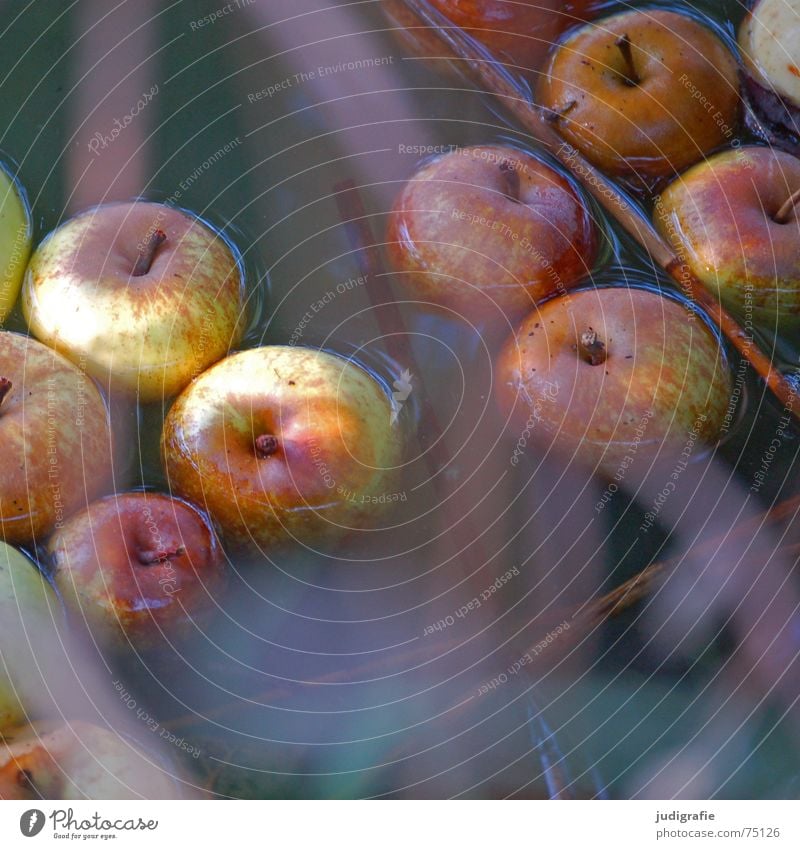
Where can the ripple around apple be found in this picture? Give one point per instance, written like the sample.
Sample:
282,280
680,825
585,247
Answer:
282,443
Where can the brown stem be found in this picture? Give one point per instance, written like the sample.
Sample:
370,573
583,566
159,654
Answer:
630,75
145,260
5,388
592,349
151,558
493,78
266,445
511,179
784,214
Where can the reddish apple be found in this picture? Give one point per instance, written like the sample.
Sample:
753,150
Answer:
643,94
283,443
55,437
139,569
601,373
489,231
734,219
142,295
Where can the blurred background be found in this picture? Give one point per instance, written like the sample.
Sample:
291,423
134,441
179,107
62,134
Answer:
362,671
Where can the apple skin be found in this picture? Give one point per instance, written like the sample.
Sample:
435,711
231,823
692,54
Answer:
97,559
458,240
719,218
664,367
335,446
16,236
56,438
519,33
30,618
148,334
660,126
80,761
769,42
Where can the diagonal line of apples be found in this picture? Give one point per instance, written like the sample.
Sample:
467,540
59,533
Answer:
112,300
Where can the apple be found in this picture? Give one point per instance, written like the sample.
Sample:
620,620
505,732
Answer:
643,94
80,761
518,32
734,220
489,231
607,374
769,41
30,617
139,568
55,439
282,443
144,296
16,234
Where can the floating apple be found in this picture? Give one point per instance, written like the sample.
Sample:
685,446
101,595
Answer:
55,437
734,219
281,442
139,568
518,32
643,94
144,296
604,373
489,231
769,41
16,233
30,615
80,761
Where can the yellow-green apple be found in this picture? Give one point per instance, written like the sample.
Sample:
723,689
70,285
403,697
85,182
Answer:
518,32
81,761
30,619
144,296
489,231
282,443
602,373
769,41
16,233
644,93
139,569
734,220
56,437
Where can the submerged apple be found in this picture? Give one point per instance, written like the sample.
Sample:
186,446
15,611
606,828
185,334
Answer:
55,439
139,569
142,295
81,761
282,443
16,233
30,616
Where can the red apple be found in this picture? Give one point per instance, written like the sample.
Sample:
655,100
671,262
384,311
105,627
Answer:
519,33
769,41
283,443
489,231
643,94
603,374
142,295
734,220
55,438
80,761
139,568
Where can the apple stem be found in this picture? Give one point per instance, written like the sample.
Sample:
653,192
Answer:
145,260
5,388
784,214
591,348
511,177
151,558
631,77
266,445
